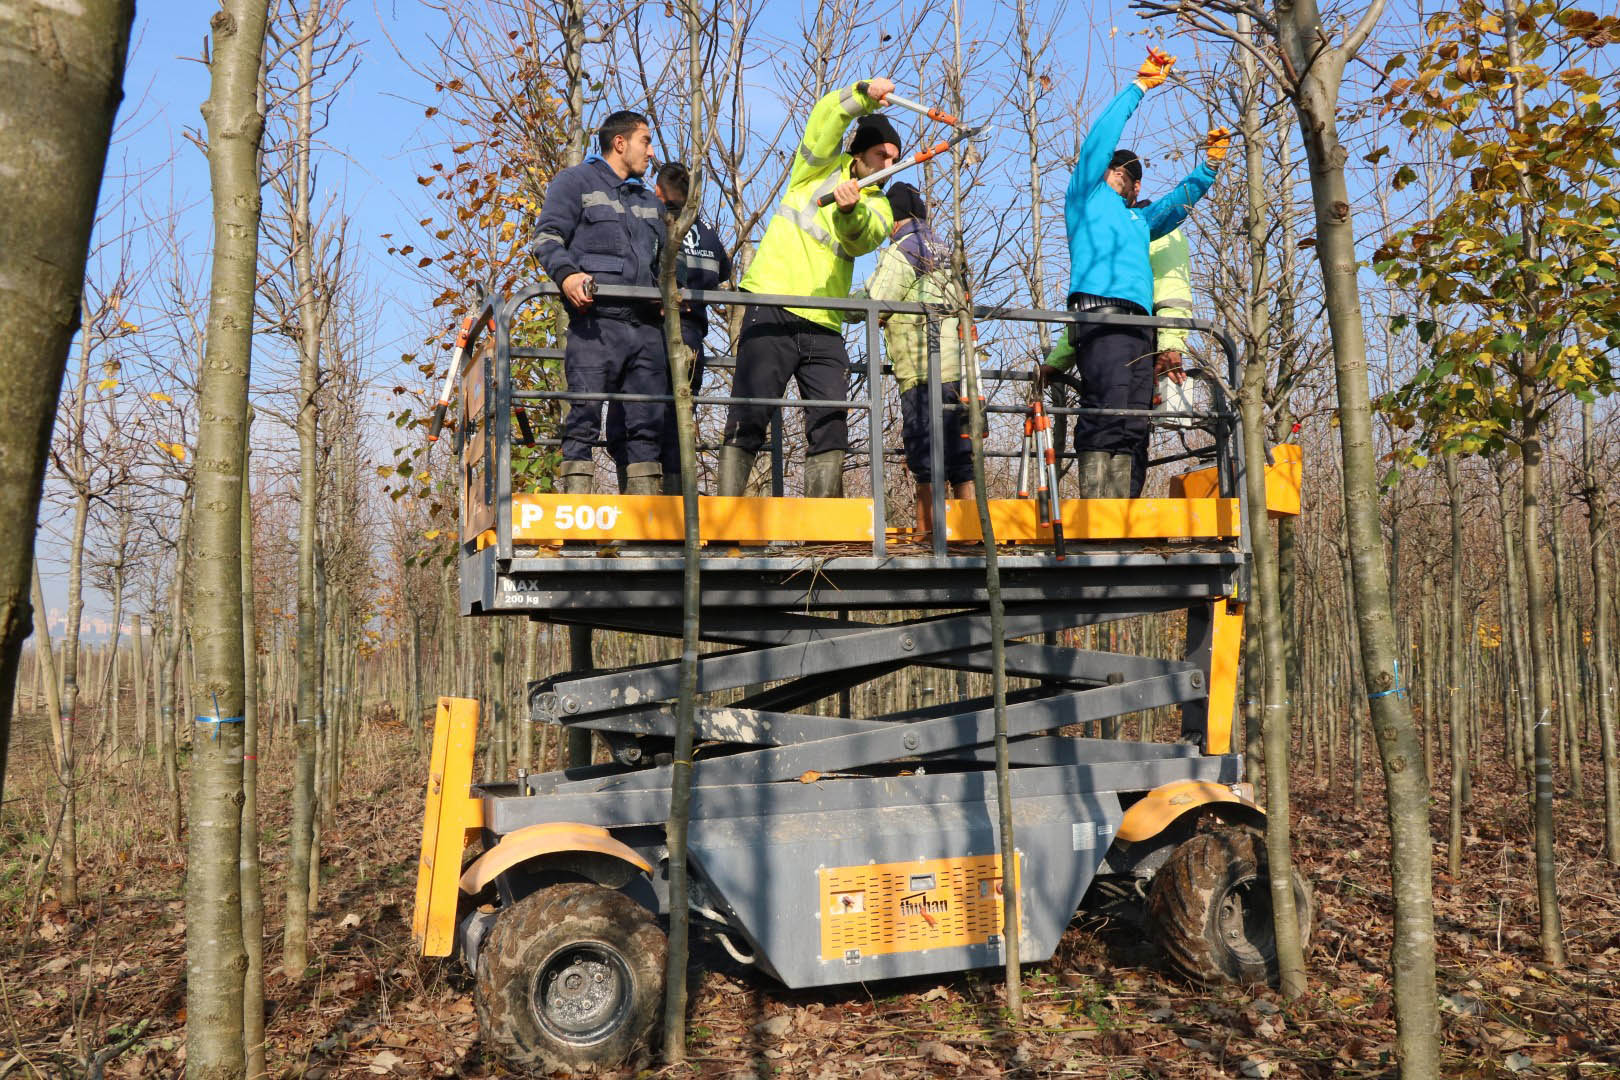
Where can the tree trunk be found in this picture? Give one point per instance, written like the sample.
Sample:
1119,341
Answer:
63,69
500,738
1454,711
1518,725
110,682
78,480
680,367
216,960
1598,525
415,662
1355,686
1276,730
1254,693
301,841
1425,668
252,891
138,645
68,877
1565,672
167,662
1552,922
580,659
1320,69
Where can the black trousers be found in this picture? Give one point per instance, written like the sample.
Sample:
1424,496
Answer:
669,447
614,356
775,345
1115,365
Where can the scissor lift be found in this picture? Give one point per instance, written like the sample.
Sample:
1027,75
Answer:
831,849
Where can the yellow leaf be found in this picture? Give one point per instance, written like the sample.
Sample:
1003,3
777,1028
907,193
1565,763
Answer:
431,534
175,450
158,395
106,384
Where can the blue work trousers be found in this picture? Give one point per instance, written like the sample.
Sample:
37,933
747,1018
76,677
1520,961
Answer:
669,447
615,356
1115,365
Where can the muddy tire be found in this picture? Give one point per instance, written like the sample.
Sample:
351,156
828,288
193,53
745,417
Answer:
570,979
1209,908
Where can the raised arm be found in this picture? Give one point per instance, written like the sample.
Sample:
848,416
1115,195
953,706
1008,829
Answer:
1101,142
1170,211
824,133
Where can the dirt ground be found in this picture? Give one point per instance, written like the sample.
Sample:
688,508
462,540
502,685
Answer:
76,983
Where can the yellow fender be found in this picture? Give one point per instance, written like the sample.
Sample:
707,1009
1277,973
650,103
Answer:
551,838
1157,810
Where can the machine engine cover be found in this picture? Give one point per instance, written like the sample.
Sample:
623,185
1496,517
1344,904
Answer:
854,895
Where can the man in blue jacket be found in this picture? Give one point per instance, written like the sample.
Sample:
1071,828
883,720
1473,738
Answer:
602,225
701,264
1110,274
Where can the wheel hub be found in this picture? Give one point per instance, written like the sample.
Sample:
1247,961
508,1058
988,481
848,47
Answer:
582,992
1243,919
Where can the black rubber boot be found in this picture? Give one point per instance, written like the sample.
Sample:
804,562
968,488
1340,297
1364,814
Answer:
1119,476
736,465
576,477
1093,474
644,478
824,475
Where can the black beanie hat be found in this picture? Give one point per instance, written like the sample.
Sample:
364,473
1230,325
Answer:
872,130
907,202
1127,160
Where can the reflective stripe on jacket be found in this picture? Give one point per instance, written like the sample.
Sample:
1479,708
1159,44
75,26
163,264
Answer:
596,222
701,264
809,250
1171,257
914,270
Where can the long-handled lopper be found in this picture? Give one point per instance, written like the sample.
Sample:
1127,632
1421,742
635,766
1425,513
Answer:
1025,455
877,178
1048,503
929,111
450,380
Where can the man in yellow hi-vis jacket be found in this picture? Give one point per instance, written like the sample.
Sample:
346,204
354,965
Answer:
811,251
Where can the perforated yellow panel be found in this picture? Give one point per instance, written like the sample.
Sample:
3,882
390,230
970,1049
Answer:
902,907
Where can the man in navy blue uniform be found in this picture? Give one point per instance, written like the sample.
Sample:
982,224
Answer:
602,225
702,263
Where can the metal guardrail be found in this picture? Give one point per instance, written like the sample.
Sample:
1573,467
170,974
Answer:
501,398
